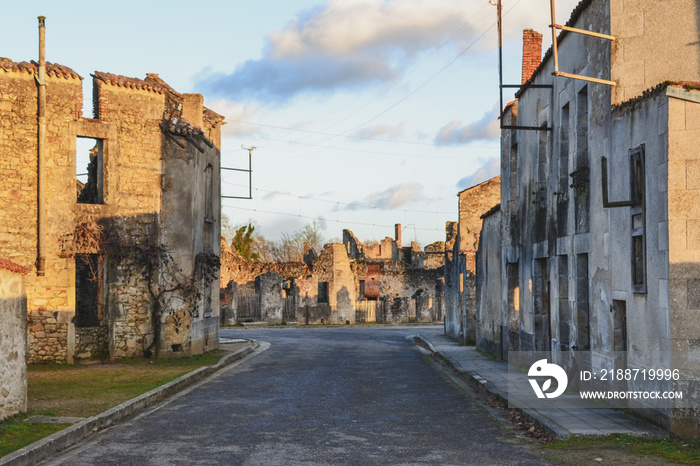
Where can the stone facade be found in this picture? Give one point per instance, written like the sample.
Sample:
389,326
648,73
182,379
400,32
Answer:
153,187
339,286
598,215
13,339
460,252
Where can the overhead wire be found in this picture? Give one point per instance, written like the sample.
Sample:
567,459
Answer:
288,214
353,204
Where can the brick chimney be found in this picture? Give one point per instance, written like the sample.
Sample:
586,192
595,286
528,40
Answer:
532,52
192,109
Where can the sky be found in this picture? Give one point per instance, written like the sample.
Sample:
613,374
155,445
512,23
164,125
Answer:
363,113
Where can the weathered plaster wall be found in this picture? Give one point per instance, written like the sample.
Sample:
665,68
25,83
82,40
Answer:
567,281
13,339
488,325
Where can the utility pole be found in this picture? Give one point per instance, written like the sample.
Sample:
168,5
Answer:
249,171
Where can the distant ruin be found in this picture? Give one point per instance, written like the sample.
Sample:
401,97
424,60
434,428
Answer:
343,284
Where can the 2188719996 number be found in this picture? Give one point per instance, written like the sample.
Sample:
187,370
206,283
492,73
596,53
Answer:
636,374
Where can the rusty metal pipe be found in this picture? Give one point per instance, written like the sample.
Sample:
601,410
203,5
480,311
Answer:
41,152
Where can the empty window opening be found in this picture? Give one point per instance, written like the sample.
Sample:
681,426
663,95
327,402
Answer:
580,175
543,336
208,232
541,193
563,303
323,293
542,161
513,179
90,99
208,193
583,340
619,309
582,200
513,297
89,163
638,213
582,128
563,192
89,280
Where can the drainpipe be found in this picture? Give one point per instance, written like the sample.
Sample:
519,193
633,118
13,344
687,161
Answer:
41,144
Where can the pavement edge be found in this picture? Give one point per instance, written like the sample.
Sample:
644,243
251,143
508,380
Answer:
44,448
549,426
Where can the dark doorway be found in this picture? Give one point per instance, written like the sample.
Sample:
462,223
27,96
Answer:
89,281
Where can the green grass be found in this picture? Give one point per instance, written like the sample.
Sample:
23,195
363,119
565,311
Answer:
89,389
673,449
15,433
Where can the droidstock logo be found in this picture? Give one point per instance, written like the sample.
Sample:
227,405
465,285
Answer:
541,369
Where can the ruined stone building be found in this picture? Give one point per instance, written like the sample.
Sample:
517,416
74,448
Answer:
460,254
126,263
13,339
345,283
595,248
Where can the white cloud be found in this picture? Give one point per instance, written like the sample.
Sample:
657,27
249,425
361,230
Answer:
347,44
381,131
456,133
348,27
490,169
390,198
234,111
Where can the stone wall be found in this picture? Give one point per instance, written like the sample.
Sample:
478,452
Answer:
684,249
91,343
327,289
268,289
434,255
48,337
128,130
643,55
473,203
13,339
596,254
235,268
462,240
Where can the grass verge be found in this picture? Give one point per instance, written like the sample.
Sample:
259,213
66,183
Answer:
86,390
675,450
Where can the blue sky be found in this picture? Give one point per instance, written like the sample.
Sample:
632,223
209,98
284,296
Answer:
364,113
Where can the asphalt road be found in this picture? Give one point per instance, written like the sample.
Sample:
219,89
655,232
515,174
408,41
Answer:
316,396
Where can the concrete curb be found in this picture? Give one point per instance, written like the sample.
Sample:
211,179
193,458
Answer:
549,426
44,448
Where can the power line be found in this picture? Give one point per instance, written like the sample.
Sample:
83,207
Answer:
347,149
406,97
427,81
287,214
432,144
353,204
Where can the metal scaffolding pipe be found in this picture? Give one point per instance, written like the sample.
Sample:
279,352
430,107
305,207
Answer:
41,152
